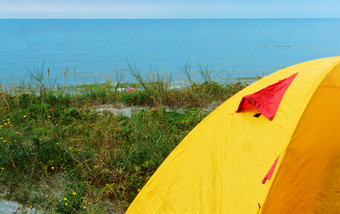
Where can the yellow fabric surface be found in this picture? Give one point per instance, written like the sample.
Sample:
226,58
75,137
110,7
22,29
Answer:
307,180
219,166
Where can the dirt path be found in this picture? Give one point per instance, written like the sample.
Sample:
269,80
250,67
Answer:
129,110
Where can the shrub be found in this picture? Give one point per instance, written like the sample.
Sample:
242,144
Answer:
135,98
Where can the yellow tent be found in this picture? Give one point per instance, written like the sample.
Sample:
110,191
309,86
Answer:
227,164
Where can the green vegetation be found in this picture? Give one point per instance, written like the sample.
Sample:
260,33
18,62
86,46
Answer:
58,154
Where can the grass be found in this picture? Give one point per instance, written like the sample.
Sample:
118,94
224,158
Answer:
58,155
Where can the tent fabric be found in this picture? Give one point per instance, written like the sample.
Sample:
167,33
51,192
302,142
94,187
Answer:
270,172
311,163
267,100
219,165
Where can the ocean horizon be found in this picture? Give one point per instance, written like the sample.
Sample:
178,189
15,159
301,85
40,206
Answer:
92,50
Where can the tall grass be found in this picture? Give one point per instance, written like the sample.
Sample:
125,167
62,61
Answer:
58,155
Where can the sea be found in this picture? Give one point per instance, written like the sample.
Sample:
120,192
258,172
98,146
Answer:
77,51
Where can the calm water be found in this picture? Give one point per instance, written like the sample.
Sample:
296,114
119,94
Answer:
96,48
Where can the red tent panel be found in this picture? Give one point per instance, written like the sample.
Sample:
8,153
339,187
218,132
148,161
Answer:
271,171
268,99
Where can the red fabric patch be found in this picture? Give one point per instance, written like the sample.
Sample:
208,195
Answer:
271,171
267,100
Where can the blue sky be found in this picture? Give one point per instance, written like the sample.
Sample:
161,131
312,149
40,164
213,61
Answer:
169,9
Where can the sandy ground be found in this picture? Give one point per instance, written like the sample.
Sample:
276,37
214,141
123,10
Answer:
9,207
119,110
129,110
